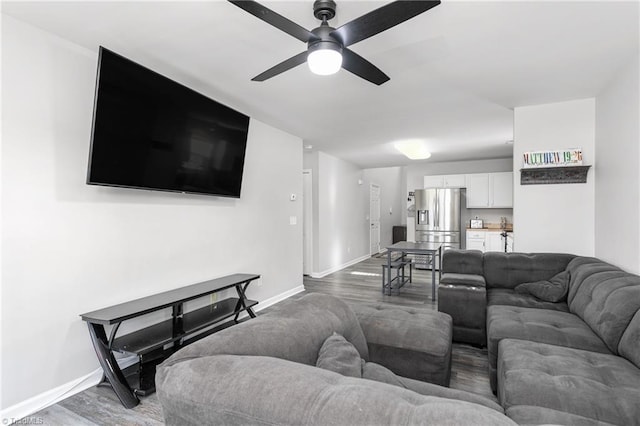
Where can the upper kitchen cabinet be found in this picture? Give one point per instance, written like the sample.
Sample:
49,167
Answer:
490,190
444,181
501,189
455,181
478,190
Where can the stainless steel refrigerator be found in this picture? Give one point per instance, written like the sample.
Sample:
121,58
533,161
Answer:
437,218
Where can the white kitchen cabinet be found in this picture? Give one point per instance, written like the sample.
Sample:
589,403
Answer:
489,190
475,240
444,181
454,181
494,241
434,181
488,241
501,190
477,190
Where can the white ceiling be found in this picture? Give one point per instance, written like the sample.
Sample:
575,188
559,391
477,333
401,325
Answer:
457,71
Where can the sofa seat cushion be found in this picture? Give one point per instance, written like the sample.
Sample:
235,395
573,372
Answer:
603,387
412,343
537,325
373,371
531,415
505,296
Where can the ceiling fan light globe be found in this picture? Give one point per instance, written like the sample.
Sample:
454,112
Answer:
324,61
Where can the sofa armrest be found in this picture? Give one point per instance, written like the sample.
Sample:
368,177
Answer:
469,280
231,389
465,300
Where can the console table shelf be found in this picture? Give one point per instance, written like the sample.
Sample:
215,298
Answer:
154,343
154,337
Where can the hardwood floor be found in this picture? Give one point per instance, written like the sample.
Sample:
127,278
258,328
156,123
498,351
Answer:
360,283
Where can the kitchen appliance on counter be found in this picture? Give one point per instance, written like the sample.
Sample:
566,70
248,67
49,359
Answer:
437,219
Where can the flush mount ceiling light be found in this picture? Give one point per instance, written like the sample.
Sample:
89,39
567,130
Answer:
414,149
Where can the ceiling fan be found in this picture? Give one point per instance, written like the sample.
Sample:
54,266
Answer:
327,50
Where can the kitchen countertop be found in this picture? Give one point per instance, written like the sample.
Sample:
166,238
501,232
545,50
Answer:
492,228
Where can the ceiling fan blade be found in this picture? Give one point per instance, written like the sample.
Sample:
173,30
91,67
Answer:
359,66
381,19
283,66
275,19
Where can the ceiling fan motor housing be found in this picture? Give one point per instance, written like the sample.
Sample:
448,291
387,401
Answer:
324,9
325,40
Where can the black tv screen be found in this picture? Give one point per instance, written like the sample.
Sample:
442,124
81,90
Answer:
150,132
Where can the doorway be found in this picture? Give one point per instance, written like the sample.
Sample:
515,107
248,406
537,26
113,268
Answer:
374,218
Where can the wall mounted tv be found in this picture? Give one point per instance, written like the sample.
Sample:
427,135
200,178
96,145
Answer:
150,132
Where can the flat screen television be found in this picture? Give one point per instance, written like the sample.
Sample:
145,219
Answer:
150,132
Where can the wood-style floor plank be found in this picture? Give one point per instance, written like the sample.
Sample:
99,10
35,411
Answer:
359,283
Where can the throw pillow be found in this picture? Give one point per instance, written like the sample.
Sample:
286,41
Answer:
338,355
553,290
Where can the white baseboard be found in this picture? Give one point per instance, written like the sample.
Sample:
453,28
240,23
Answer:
337,268
50,397
278,298
53,396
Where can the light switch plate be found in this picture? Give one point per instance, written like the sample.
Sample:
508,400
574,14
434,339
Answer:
293,220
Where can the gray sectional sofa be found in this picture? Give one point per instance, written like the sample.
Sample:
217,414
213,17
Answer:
278,369
562,331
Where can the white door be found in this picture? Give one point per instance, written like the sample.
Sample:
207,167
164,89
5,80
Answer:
374,218
307,219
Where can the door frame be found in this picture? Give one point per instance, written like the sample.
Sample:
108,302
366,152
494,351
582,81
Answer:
371,186
307,221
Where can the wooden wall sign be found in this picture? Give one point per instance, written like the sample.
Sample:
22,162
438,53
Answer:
550,175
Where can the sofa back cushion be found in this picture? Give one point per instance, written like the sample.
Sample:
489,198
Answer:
507,270
629,346
462,262
604,296
294,330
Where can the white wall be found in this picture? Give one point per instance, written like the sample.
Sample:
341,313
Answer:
343,229
617,196
392,199
557,217
69,248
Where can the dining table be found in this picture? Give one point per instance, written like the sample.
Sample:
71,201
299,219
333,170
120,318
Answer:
433,251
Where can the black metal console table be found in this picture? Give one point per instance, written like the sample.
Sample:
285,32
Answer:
154,343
